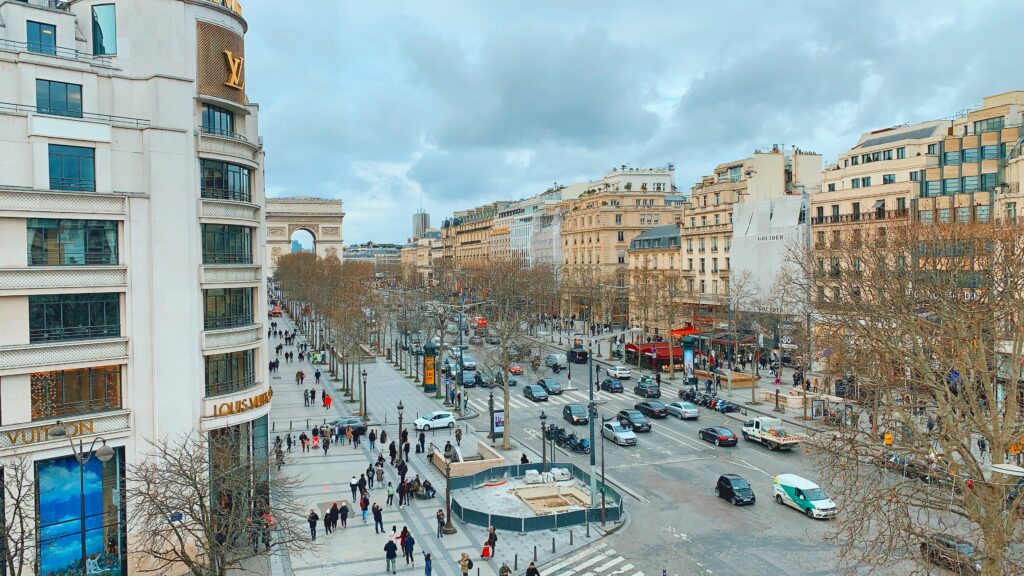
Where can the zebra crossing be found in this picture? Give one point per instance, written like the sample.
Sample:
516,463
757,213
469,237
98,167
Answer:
517,400
594,561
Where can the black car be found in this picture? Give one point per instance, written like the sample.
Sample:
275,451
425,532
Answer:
550,385
957,555
357,424
735,489
634,420
654,409
535,393
467,379
647,390
719,435
611,385
575,414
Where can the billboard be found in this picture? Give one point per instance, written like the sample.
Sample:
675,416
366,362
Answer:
764,234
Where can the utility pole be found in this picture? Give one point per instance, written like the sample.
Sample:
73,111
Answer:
593,414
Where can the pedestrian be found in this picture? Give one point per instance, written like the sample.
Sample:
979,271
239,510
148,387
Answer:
393,452
288,441
458,436
328,519
523,459
317,375
353,485
465,402
406,450
362,483
364,505
532,570
369,476
401,494
343,514
332,515
427,564
423,441
407,546
313,518
982,445
305,397
298,377
390,555
465,564
348,434
492,539
327,402
458,400
312,397
391,494
378,518
440,522
383,437
504,570
326,444
316,442
403,469
380,475
304,440
372,437
323,397
355,439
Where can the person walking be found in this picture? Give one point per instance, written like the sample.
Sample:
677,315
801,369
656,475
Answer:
323,397
304,440
392,451
288,441
440,522
333,514
305,397
364,505
372,437
348,434
317,375
403,469
427,564
504,570
369,476
458,436
343,514
380,475
401,494
362,483
465,564
982,446
353,485
378,518
313,518
492,539
423,442
326,444
328,522
405,449
391,494
383,437
312,397
532,570
390,555
327,402
298,377
407,547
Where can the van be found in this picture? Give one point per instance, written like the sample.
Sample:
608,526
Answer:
555,360
804,495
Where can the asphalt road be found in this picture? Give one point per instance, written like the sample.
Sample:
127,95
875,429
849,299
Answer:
677,524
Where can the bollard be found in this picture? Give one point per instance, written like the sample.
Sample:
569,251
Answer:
570,537
273,426
307,422
534,552
552,544
588,529
289,425
385,419
515,563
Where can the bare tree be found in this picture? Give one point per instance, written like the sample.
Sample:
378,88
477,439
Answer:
18,522
927,326
197,506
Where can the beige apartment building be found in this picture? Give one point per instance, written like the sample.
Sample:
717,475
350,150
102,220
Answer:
656,288
417,256
466,236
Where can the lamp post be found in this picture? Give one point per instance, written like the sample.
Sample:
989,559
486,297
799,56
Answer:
593,411
103,454
362,397
543,441
490,410
603,489
448,527
401,443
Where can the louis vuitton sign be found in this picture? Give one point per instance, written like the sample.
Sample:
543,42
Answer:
243,404
220,62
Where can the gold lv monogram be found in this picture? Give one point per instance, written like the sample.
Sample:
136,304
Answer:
235,65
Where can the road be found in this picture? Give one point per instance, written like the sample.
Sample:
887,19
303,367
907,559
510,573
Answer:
677,524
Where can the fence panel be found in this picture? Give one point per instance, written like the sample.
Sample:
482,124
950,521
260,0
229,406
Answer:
571,518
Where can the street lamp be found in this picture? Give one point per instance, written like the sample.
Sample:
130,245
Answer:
603,485
401,441
448,527
362,397
103,454
543,441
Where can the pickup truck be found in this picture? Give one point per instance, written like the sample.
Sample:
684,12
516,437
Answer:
770,432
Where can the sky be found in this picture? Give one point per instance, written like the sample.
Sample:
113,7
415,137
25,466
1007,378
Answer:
391,105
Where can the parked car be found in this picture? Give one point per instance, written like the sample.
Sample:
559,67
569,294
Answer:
434,420
719,435
575,414
552,360
483,379
620,372
476,340
647,389
467,379
611,385
804,495
955,554
735,489
653,408
618,434
550,385
357,424
515,368
535,393
634,420
468,362
683,410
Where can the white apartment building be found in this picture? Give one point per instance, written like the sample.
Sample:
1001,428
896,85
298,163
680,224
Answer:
131,286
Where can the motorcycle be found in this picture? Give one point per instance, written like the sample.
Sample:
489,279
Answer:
578,444
554,433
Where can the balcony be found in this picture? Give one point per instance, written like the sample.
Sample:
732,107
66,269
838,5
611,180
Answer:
224,143
55,51
237,337
30,202
215,389
227,275
22,358
229,210
109,424
24,281
234,321
123,121
227,258
79,408
871,216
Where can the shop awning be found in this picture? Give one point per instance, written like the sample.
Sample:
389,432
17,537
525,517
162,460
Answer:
687,331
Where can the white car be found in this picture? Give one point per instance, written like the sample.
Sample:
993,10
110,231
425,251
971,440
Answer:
543,333
619,434
620,372
683,410
435,420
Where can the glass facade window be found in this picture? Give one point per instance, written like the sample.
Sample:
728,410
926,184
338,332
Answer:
227,244
104,30
62,490
951,185
933,148
971,154
832,187
944,215
226,373
855,183
932,188
901,153
224,181
42,38
989,182
72,242
239,464
989,125
72,168
227,307
969,184
925,216
951,158
217,120
989,152
1011,210
865,181
888,178
61,317
64,393
914,176
963,214
58,98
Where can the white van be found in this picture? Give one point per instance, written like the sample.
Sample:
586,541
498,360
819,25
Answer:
804,495
552,360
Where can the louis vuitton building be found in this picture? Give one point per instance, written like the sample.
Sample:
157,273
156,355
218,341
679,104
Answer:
132,290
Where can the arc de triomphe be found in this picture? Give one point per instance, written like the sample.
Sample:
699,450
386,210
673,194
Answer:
319,216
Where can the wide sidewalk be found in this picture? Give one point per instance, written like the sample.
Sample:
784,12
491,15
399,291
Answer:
357,550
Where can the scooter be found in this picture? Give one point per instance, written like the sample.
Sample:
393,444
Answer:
579,444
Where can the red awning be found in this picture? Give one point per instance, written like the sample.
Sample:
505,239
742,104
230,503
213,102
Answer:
662,353
687,331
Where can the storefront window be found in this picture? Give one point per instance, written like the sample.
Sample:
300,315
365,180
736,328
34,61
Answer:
226,373
63,491
64,393
72,242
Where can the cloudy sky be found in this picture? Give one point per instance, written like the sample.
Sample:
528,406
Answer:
391,104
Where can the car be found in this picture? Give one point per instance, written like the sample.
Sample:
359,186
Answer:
535,393
552,360
719,435
542,333
575,414
468,362
620,372
647,389
435,420
451,328
683,410
476,340
804,495
550,385
953,553
734,488
483,379
467,379
611,385
493,340
357,424
654,409
515,369
618,434
634,420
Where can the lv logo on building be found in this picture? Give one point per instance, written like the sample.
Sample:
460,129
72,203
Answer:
235,65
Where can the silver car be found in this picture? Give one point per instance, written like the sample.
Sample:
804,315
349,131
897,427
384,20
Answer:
683,410
618,434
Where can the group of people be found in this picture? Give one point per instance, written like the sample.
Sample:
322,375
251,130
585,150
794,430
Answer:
323,436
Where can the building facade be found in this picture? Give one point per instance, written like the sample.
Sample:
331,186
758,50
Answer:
420,223
656,287
376,254
466,236
131,280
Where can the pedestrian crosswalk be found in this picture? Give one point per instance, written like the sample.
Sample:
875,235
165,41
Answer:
517,400
595,561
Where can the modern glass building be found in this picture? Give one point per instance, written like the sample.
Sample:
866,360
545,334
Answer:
132,285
